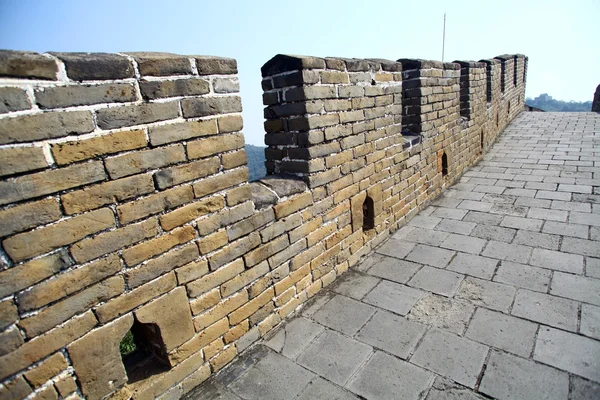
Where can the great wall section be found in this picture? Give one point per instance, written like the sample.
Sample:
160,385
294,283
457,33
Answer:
126,206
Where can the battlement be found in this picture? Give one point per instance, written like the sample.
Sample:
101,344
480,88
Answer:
125,206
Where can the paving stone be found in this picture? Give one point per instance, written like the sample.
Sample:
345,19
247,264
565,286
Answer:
546,309
559,228
581,246
557,260
424,222
585,189
571,206
446,389
507,252
396,248
273,377
534,239
421,235
590,321
386,377
521,192
584,218
592,267
544,213
467,244
509,209
449,314
454,226
528,202
595,233
452,213
344,314
522,223
495,296
291,339
436,281
545,194
393,297
451,356
320,389
582,389
447,202
468,264
355,285
576,287
475,205
576,354
510,377
392,333
489,189
500,200
497,233
334,356
464,195
316,303
499,330
209,390
524,276
483,218
394,270
430,255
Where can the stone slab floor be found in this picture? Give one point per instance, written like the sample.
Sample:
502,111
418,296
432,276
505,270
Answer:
491,292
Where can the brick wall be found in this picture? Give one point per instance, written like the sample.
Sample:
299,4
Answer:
125,204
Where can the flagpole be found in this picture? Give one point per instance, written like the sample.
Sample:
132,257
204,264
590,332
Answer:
444,38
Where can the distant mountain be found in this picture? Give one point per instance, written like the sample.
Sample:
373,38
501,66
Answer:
547,103
256,161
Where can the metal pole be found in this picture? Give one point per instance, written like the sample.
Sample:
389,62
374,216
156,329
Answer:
444,38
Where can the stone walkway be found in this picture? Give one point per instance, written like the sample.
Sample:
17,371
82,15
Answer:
493,291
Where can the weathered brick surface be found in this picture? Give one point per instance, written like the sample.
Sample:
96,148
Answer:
181,131
29,215
21,159
158,221
28,65
83,95
48,125
13,99
29,244
118,117
70,152
174,88
107,242
46,370
107,193
48,182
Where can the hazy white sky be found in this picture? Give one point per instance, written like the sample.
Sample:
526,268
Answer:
561,38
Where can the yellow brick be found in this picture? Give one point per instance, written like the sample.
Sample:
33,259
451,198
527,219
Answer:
222,309
191,212
29,244
292,205
202,339
224,358
236,332
161,244
251,307
216,278
213,348
70,152
212,242
205,301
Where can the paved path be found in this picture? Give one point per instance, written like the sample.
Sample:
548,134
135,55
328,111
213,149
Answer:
493,291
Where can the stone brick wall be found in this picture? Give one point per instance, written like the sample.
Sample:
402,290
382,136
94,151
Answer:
125,206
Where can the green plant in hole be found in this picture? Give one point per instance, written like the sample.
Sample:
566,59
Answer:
127,345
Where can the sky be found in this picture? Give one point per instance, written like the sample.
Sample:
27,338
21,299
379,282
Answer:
560,37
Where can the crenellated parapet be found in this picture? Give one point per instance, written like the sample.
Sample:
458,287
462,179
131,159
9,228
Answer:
127,222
